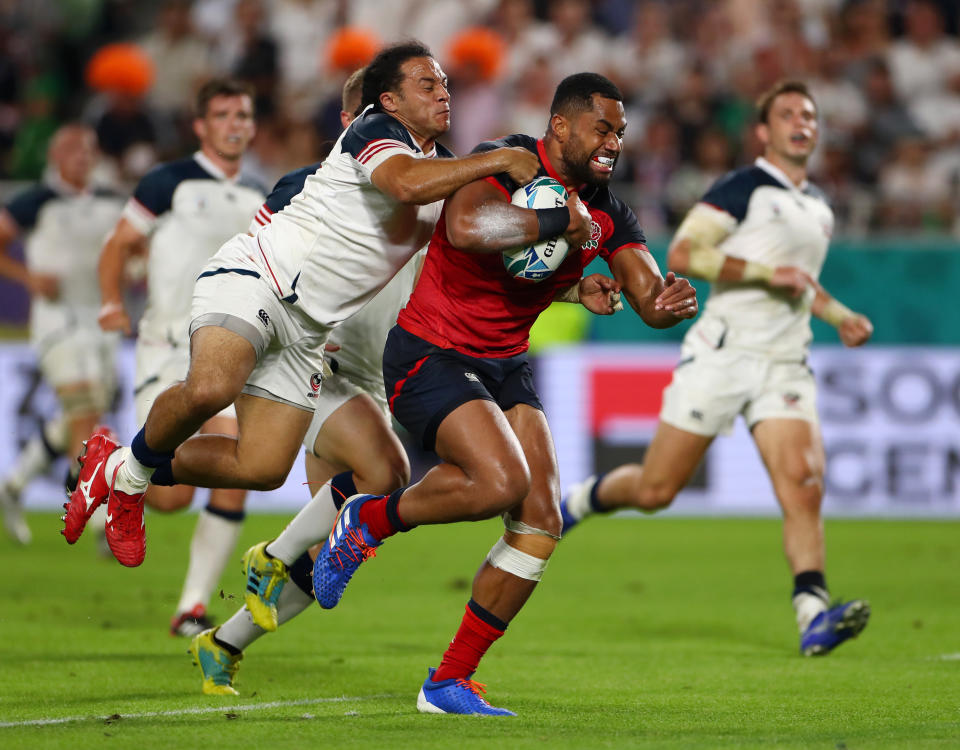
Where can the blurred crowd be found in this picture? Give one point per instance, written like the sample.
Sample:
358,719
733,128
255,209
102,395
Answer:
885,74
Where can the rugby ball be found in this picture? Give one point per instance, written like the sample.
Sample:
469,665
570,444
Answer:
537,262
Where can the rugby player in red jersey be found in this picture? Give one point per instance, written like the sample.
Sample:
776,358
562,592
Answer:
457,375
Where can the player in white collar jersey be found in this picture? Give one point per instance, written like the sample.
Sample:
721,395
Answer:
760,235
264,305
63,220
183,211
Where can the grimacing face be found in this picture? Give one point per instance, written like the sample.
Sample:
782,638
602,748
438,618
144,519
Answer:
791,130
228,125
594,141
422,101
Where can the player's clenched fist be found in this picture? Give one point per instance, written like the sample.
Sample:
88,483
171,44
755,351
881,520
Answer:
521,164
679,297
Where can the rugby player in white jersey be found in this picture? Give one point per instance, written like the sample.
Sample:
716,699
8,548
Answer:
264,306
350,443
760,235
185,210
64,219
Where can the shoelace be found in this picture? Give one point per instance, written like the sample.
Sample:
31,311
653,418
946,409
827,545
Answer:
474,687
127,518
356,549
273,574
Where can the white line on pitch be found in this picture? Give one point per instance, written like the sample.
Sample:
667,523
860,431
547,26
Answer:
226,708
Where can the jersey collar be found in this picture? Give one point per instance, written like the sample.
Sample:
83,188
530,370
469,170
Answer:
208,166
779,174
545,160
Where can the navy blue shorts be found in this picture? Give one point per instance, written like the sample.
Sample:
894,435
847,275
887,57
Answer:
424,383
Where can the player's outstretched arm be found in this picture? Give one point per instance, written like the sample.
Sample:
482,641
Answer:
422,181
694,251
661,303
854,329
122,241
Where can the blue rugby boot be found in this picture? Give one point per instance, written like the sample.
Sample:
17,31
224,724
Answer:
455,696
349,544
834,626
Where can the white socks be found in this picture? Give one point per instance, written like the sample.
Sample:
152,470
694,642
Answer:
214,538
578,498
808,606
310,526
239,631
132,476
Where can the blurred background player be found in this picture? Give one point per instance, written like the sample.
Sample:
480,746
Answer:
185,210
457,375
65,219
264,306
760,235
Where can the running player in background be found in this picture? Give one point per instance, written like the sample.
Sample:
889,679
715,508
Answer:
185,210
264,306
457,375
65,220
760,235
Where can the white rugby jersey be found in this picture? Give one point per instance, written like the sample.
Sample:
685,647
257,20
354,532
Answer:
65,230
339,240
771,221
362,336
189,208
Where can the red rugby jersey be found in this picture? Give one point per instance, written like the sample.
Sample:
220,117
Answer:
471,303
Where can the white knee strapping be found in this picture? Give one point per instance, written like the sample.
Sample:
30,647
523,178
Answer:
513,561
57,434
88,401
519,527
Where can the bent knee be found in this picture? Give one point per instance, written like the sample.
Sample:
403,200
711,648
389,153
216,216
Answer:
385,475
501,490
265,479
655,497
209,397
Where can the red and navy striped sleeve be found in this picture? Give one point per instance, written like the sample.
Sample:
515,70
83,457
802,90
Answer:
374,137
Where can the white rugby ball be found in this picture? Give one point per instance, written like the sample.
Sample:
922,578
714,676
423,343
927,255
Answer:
537,262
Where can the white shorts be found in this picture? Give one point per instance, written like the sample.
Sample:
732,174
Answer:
710,387
337,390
80,356
160,365
289,365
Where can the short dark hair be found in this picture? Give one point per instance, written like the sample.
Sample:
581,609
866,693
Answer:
352,91
790,86
220,87
384,74
575,93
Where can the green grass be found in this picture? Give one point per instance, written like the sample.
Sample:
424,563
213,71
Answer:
661,632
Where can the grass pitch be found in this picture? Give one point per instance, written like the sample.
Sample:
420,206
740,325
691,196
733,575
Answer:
667,633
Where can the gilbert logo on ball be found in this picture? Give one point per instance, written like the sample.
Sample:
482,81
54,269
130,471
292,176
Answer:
537,262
